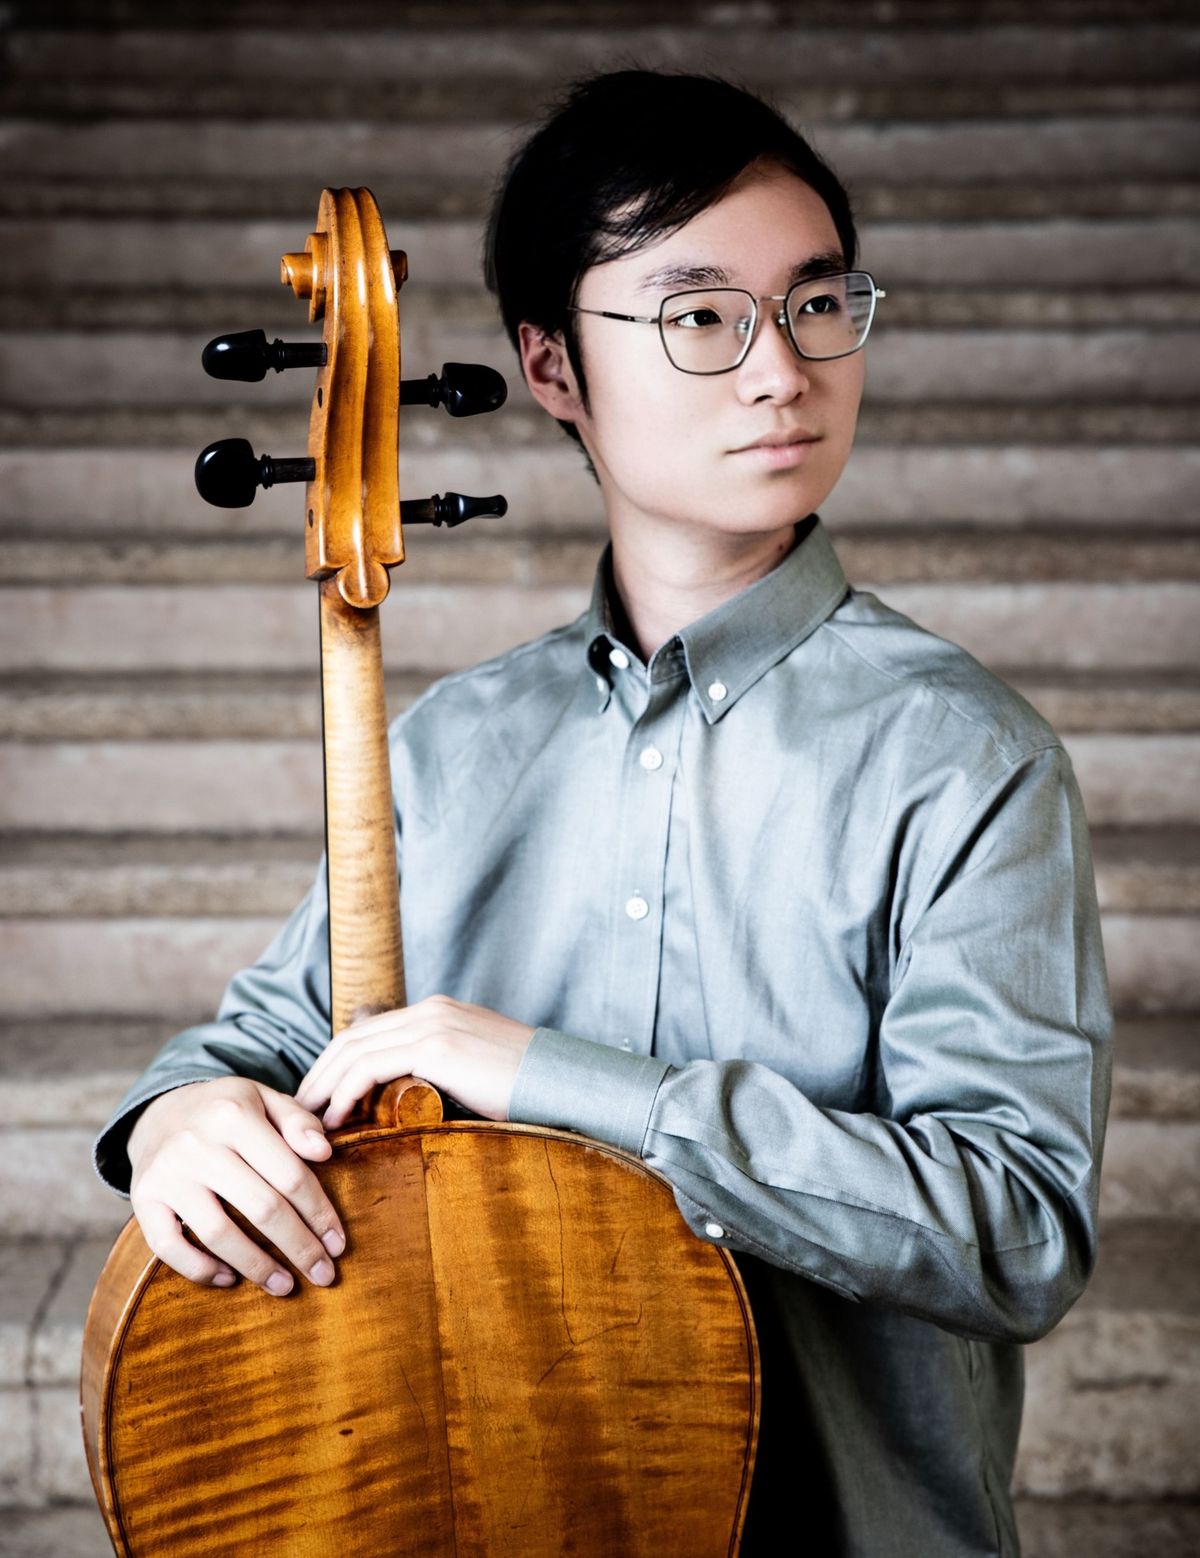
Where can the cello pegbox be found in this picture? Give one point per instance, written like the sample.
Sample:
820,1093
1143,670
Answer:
349,277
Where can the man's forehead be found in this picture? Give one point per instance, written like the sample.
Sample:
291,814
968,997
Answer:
704,251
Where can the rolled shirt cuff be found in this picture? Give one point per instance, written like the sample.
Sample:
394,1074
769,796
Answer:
596,1089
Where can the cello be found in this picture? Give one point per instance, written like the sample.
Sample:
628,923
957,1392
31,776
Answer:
526,1350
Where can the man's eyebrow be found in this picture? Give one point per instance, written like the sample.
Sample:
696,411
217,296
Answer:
828,263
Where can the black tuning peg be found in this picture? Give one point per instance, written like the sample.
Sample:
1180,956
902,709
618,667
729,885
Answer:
465,389
452,509
247,355
228,472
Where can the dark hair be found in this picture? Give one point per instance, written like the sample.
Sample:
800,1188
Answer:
623,158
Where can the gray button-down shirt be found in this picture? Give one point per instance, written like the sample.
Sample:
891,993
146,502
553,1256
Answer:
805,911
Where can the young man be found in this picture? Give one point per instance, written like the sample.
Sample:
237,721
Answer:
741,870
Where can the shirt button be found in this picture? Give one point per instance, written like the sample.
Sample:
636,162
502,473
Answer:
714,1230
619,658
636,907
650,757
717,690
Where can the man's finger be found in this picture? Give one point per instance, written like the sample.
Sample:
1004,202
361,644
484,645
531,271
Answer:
299,1127
333,1063
162,1232
271,1158
205,1216
379,1065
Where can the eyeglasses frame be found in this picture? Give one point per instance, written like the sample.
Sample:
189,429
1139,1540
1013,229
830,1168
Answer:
782,319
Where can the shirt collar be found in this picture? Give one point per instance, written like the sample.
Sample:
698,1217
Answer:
726,651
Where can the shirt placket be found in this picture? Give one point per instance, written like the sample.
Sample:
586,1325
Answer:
654,704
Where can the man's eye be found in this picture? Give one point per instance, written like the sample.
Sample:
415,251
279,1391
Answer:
825,303
695,319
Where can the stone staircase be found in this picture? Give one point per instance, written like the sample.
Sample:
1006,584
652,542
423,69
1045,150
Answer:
1025,179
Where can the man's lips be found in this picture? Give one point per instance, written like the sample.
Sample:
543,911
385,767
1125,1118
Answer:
778,440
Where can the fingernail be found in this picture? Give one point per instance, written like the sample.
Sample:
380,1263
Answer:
224,1279
333,1241
322,1273
317,1139
279,1283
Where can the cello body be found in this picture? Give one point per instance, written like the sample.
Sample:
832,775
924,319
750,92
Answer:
526,1351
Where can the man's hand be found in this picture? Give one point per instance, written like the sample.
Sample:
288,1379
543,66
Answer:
239,1142
467,1051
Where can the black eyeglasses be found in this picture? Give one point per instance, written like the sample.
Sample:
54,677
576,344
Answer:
711,330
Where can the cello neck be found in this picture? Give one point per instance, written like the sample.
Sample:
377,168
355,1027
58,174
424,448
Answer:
366,956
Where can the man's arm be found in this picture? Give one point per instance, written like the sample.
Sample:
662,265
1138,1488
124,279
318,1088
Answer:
972,1202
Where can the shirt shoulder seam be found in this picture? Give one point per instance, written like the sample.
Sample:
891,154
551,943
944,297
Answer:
1012,754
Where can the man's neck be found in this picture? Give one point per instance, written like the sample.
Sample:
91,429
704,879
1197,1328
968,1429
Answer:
661,588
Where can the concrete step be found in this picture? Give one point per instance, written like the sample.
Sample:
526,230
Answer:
60,1071
888,555
1011,425
442,311
959,151
1089,701
1097,1382
402,191
192,706
114,874
139,875
436,101
1156,1076
1147,870
120,967
271,627
172,249
1152,960
908,367
524,15
749,45
996,489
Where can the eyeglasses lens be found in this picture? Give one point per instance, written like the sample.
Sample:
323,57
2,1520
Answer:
829,316
703,332
706,331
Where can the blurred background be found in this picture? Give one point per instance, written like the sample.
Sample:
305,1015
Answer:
1025,482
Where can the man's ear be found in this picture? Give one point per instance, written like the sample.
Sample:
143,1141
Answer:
549,375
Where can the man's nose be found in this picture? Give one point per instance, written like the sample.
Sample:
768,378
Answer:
772,369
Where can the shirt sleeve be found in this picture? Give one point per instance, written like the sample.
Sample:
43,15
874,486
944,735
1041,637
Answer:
972,1202
272,1023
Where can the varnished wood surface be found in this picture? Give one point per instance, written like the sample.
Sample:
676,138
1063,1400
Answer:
365,950
526,1352
350,278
